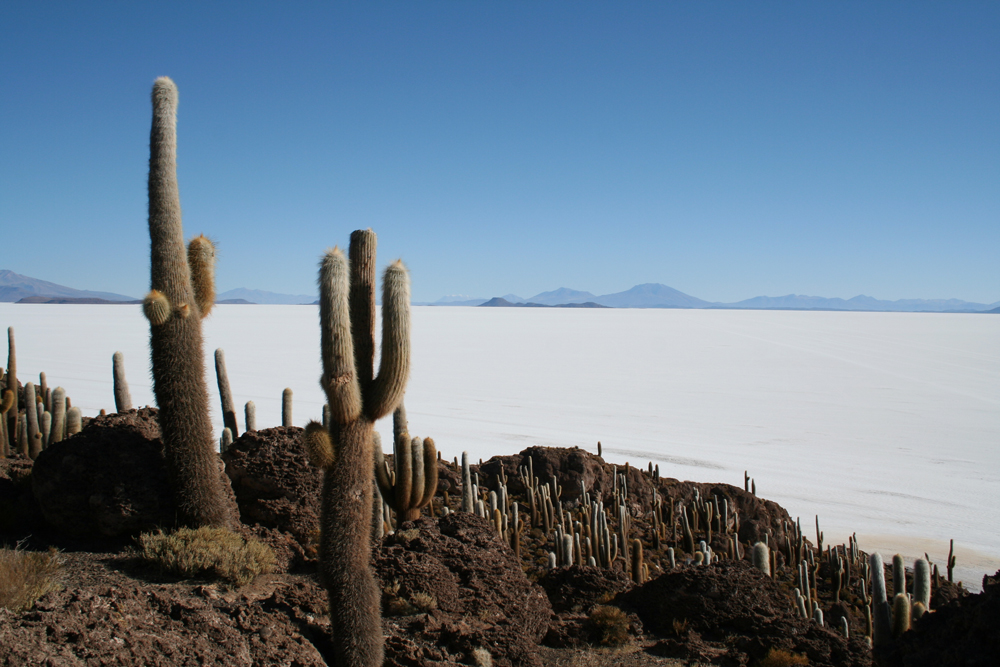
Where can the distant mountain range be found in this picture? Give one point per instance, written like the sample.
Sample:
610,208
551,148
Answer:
15,287
655,295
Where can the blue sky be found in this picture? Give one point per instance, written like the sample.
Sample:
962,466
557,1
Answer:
726,149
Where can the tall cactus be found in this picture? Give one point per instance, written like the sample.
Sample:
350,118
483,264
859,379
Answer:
413,482
344,450
12,428
175,308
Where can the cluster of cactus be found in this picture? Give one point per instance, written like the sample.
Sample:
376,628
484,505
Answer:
410,485
42,417
182,293
344,449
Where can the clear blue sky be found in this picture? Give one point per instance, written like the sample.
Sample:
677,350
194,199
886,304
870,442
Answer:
728,150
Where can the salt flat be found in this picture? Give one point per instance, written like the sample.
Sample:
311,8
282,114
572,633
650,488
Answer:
884,424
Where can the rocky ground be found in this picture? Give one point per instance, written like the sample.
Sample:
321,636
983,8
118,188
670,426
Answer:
454,592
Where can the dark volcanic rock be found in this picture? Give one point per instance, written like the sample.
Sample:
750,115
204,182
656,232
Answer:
733,605
482,599
18,508
577,589
110,479
270,623
274,482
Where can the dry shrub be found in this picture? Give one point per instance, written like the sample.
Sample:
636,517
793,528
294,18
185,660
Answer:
424,602
215,552
608,626
26,576
777,657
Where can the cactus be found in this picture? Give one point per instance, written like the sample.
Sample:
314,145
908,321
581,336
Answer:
175,312
951,561
58,415
226,441
922,583
898,575
225,394
123,399
880,605
11,381
6,404
286,407
250,414
414,481
467,483
34,434
761,558
74,421
918,610
357,398
638,567
900,614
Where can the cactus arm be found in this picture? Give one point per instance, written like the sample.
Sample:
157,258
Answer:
339,380
8,401
318,445
362,302
58,415
386,391
201,263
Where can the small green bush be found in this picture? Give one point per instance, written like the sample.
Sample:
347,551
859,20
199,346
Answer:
205,551
26,576
608,626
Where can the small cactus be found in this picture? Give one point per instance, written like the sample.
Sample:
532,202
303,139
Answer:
413,482
123,399
286,407
761,558
900,614
250,413
922,583
225,394
880,605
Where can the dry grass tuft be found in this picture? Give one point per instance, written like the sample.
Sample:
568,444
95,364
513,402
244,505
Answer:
215,552
608,626
26,576
777,657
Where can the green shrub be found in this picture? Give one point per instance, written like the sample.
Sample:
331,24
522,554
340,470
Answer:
26,576
206,551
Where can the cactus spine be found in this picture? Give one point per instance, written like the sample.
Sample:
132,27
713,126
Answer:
175,340
357,398
123,399
226,394
413,481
